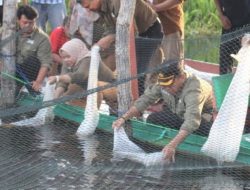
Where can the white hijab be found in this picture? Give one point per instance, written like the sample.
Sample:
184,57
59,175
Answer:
76,48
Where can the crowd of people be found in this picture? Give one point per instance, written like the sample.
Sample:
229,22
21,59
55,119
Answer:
64,56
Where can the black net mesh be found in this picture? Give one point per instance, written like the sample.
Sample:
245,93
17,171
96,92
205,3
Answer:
40,148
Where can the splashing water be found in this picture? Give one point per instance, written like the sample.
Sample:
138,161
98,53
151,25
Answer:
45,115
124,148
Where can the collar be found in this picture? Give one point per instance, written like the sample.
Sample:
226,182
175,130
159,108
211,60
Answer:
31,35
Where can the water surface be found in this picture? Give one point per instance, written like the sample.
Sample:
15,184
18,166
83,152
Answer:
52,157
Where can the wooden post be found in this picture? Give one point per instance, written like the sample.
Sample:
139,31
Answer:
8,51
125,17
133,63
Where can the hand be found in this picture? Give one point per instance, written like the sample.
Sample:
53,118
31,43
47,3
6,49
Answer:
226,23
156,107
152,5
118,123
36,85
169,153
52,79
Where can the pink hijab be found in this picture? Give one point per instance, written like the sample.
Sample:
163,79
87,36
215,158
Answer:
76,48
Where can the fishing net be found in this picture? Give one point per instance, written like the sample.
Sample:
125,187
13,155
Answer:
68,142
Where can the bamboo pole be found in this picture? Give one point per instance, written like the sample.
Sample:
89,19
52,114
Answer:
8,51
125,18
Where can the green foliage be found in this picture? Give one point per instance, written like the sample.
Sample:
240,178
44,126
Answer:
202,30
201,17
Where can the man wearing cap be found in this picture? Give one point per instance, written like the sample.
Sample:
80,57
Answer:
187,104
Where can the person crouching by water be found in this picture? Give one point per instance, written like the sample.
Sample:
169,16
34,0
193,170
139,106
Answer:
75,71
187,105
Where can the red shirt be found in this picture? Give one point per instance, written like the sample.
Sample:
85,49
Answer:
57,39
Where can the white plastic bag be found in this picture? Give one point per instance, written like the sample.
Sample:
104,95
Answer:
44,115
124,148
225,135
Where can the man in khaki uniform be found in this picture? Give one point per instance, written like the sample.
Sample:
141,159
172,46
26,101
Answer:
172,18
187,104
33,50
145,17
146,26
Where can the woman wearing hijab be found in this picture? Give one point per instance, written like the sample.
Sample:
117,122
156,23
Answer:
75,69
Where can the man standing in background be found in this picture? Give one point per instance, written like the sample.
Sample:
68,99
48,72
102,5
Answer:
52,11
233,15
171,16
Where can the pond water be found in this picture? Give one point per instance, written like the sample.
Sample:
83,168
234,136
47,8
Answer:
202,48
52,157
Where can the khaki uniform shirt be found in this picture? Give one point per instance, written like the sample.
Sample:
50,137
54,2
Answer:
34,47
80,71
172,20
192,103
144,15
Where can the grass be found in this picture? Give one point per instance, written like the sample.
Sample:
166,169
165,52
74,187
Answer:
202,30
201,18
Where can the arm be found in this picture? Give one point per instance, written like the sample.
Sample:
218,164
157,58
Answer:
225,22
59,92
194,101
149,97
56,58
105,74
37,84
167,4
44,56
106,41
169,149
64,79
56,61
132,112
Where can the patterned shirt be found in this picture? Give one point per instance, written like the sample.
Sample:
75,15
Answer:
48,1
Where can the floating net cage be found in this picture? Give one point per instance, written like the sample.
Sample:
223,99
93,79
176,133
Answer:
42,146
